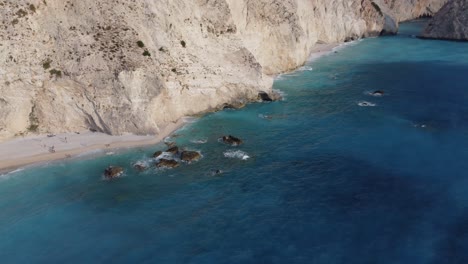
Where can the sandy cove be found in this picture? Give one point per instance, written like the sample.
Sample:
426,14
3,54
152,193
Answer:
42,148
29,150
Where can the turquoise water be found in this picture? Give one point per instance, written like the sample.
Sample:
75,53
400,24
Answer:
326,181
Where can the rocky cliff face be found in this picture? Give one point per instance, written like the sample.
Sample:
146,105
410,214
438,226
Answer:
133,66
411,9
450,23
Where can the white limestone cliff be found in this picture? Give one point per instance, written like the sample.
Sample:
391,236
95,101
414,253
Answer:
135,65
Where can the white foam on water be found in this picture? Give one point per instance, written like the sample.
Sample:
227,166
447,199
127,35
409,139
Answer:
373,93
279,77
281,93
306,68
190,119
9,174
199,141
347,44
366,104
165,155
236,154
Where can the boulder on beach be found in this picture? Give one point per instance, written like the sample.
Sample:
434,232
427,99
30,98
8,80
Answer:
157,154
231,140
113,172
189,156
167,163
173,150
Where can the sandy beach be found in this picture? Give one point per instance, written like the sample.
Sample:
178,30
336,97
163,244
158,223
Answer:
320,50
41,148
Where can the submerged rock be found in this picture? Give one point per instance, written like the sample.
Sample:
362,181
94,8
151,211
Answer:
113,172
189,156
216,172
364,103
167,163
140,167
231,140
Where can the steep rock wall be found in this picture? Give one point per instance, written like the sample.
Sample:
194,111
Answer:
133,66
411,9
450,23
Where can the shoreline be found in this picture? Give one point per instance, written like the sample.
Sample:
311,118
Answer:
37,149
20,152
318,51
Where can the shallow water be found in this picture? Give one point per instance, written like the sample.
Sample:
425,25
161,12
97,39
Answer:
325,181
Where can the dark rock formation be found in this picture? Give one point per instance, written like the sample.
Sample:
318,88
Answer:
189,156
173,150
216,172
166,163
264,97
113,172
231,140
450,23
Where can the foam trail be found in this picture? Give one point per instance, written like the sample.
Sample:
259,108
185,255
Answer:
236,154
199,141
366,104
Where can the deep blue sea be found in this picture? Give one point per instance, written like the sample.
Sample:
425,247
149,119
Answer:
326,180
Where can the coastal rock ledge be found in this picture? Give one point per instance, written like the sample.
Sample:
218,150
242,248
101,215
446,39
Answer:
450,23
136,66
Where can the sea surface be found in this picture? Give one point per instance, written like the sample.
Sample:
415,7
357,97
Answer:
329,175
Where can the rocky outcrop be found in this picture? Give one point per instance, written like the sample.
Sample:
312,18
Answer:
232,140
189,156
134,66
167,163
112,172
450,23
173,150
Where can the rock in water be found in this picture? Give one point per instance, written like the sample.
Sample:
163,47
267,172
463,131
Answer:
216,172
378,93
450,23
166,163
113,172
174,150
157,154
231,140
189,156
139,167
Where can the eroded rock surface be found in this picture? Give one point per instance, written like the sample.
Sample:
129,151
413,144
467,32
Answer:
450,23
